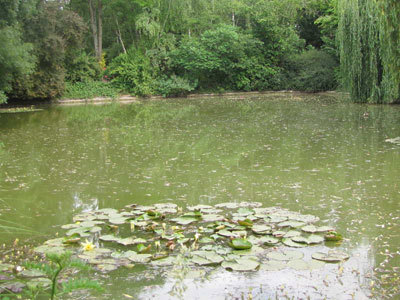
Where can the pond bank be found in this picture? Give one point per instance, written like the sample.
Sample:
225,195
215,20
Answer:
125,99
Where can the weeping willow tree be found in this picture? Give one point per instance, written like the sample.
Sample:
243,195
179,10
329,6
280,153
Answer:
368,37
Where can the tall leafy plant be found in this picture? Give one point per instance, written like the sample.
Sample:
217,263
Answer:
369,49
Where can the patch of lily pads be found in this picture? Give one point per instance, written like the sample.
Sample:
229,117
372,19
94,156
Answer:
236,236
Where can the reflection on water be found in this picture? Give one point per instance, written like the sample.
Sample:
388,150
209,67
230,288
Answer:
310,154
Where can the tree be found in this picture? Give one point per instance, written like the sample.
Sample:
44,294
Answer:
369,49
53,31
16,57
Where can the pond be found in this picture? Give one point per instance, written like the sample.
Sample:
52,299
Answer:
312,154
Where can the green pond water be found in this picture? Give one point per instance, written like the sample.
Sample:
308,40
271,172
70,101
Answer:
313,154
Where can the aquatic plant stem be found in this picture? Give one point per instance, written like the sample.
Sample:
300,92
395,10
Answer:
54,280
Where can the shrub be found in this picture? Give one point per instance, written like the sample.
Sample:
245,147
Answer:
223,58
310,71
174,86
82,67
132,72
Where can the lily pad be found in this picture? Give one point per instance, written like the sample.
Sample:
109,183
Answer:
107,211
139,258
109,238
199,207
268,240
241,264
332,256
39,282
285,255
313,228
289,242
184,220
304,218
206,240
240,244
228,233
243,211
48,249
229,205
312,239
278,233
167,261
275,219
106,267
298,264
205,258
273,265
293,224
212,218
130,241
292,233
261,229
117,220
32,273
250,204
14,287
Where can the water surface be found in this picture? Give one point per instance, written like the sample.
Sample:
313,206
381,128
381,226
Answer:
308,153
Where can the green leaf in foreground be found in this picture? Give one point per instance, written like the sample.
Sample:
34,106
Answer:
240,244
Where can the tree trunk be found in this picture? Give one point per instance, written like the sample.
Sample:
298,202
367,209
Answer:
118,32
93,24
96,14
100,29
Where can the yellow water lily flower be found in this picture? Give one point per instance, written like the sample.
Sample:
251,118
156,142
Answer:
88,246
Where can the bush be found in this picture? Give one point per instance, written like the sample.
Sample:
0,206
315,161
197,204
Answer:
223,58
82,67
174,86
310,71
3,97
89,89
132,72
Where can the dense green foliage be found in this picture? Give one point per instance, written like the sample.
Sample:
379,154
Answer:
369,42
311,71
89,89
175,47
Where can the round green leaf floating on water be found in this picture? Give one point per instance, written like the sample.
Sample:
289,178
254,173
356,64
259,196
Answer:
228,233
301,265
261,229
292,233
241,264
292,223
139,258
312,239
39,282
32,273
289,242
268,240
285,255
240,244
109,238
298,264
331,257
273,265
205,258
184,220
